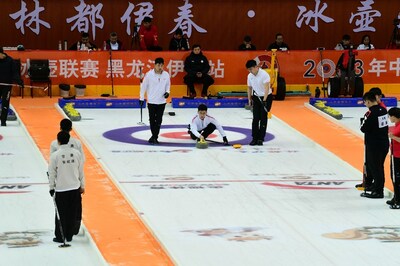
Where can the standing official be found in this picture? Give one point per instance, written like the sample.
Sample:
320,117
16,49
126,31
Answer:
376,140
9,73
259,95
156,84
66,182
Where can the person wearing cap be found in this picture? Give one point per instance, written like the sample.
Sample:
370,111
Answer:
247,45
156,85
148,36
197,68
259,95
203,125
9,73
179,42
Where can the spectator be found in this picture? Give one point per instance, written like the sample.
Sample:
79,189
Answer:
278,44
148,36
84,43
113,43
366,43
179,42
344,44
395,44
247,45
197,68
9,73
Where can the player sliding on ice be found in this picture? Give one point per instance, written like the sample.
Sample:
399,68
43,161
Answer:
203,125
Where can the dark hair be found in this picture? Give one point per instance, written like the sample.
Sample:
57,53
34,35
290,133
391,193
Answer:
394,111
202,107
368,96
346,37
179,31
113,34
195,46
66,125
159,60
376,91
85,35
278,34
147,19
251,63
247,38
365,36
63,137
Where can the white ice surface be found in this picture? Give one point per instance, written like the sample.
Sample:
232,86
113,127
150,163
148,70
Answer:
261,205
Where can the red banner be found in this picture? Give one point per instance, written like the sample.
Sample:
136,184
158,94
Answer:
227,68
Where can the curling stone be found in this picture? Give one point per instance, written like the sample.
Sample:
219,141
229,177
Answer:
201,144
237,146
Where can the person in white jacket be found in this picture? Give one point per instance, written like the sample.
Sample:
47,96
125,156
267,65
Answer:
66,125
203,125
156,84
66,182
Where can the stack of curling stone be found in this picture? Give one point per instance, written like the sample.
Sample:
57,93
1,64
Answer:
202,144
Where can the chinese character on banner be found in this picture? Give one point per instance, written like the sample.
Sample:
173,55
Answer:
378,67
366,14
136,68
175,67
89,68
395,65
30,20
218,70
145,10
116,67
68,68
88,15
185,22
315,15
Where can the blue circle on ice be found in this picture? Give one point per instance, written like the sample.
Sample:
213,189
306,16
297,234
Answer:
125,135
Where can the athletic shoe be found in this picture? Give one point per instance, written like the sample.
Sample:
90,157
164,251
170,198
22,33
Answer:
3,124
394,206
391,202
375,195
151,140
156,141
253,142
260,142
57,240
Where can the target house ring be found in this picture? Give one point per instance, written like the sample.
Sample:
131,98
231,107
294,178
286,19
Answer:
125,135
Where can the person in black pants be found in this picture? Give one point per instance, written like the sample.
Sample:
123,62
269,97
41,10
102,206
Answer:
375,128
9,73
156,84
259,95
197,68
66,182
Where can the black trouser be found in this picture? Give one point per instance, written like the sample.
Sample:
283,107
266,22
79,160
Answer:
156,112
67,204
260,117
78,218
347,78
5,102
395,166
205,132
375,158
205,79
